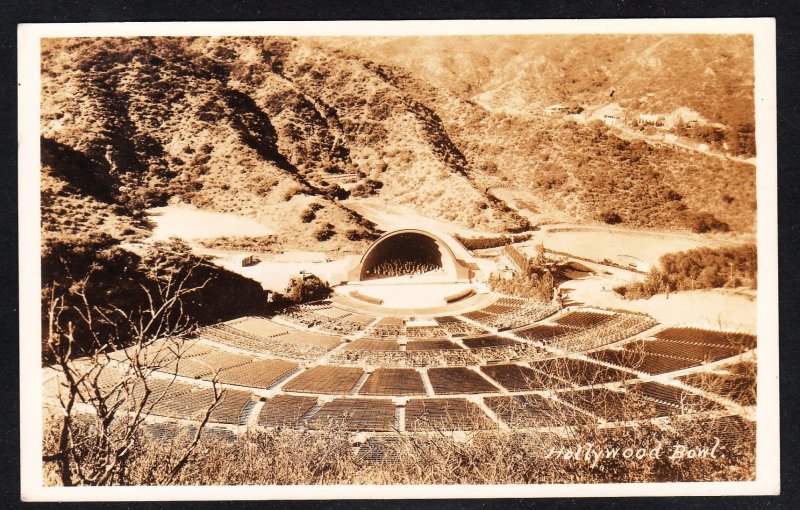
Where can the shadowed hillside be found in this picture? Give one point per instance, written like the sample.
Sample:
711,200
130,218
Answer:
288,131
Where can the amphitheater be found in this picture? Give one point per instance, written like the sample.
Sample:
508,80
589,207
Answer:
436,351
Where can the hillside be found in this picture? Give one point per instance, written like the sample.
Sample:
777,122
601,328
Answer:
711,74
291,131
244,127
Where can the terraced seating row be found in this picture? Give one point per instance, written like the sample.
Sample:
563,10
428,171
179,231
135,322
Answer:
694,352
371,344
457,327
388,327
739,341
408,358
325,379
639,361
584,319
258,374
309,318
637,401
445,414
736,382
259,326
535,411
517,315
393,381
619,327
299,345
425,332
285,410
189,402
455,380
356,415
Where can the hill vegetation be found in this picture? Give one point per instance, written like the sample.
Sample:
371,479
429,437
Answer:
701,268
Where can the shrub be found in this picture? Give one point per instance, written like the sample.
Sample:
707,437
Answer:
706,222
305,288
610,217
308,215
324,232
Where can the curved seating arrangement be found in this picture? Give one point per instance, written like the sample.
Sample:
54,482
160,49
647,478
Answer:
513,364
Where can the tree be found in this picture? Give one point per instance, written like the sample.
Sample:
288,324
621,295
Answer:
94,448
304,288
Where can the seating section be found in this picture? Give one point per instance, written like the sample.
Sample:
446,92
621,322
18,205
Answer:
580,372
324,316
683,401
614,406
431,332
206,364
259,326
325,379
507,313
413,357
387,327
285,410
642,362
578,339
584,319
161,352
457,327
432,345
740,341
694,352
449,381
544,332
442,372
358,415
736,382
534,411
292,344
520,378
188,402
369,344
445,414
393,381
488,341
258,374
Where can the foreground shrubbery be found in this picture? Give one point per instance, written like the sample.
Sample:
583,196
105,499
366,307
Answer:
701,268
287,456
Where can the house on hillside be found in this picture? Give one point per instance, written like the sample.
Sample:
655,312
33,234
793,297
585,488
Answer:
610,114
683,115
555,109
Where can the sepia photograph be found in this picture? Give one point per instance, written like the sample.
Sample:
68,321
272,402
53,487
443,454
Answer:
305,256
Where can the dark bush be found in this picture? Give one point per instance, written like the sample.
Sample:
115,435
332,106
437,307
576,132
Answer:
324,232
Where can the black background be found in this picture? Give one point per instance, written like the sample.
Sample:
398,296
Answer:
74,11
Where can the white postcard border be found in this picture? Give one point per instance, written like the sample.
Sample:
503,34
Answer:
768,444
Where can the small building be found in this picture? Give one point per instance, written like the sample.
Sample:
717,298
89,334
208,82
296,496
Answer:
683,115
555,109
610,114
649,119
